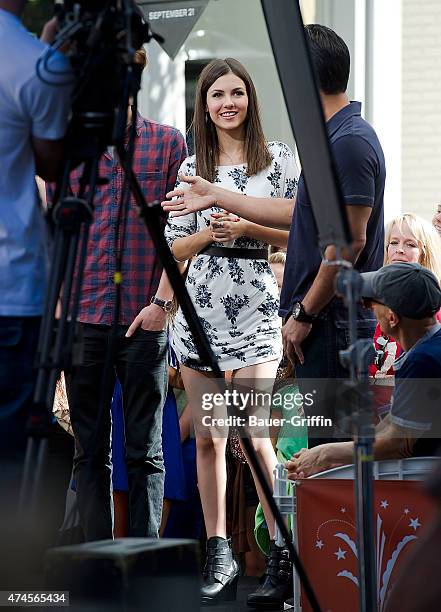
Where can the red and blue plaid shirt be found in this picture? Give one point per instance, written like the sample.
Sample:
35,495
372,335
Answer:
158,153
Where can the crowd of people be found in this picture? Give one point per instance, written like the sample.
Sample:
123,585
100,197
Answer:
241,228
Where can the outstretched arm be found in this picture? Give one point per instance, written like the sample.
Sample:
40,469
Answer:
200,195
391,442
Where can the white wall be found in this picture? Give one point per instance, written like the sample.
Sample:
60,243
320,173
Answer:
421,111
162,95
227,28
375,47
386,94
340,16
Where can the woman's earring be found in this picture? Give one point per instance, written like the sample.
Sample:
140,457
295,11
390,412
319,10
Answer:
206,117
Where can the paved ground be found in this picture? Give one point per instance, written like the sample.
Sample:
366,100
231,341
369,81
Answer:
246,585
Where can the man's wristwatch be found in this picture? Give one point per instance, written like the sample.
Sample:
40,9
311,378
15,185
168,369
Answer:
300,315
166,305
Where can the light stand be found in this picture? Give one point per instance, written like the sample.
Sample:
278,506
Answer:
291,52
357,357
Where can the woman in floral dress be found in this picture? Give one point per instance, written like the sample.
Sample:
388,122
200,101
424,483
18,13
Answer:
230,281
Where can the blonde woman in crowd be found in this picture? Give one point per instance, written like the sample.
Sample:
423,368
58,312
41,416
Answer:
408,238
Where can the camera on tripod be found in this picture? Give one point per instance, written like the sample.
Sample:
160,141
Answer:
100,38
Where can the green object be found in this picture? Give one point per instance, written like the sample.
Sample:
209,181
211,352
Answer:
181,400
291,439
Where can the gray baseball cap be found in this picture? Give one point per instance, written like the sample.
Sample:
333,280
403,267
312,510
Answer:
408,289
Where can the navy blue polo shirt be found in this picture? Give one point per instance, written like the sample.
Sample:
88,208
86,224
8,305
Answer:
361,169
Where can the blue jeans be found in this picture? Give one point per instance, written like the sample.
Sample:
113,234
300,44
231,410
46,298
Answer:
25,538
322,373
18,345
140,362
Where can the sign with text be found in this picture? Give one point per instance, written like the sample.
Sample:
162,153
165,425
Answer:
173,20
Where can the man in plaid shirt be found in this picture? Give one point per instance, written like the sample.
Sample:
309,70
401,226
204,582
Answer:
139,358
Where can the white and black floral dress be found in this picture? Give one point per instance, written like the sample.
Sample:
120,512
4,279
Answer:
237,300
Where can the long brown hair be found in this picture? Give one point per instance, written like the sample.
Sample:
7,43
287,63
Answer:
205,137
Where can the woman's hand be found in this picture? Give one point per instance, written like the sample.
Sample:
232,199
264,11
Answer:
199,196
226,227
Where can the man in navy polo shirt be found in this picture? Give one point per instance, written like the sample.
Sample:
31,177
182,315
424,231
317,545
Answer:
316,327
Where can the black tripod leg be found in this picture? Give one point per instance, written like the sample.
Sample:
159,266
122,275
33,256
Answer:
62,356
40,419
44,356
152,218
90,175
363,457
26,479
62,348
39,468
364,498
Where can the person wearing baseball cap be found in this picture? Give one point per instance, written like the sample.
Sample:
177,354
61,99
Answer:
408,289
405,298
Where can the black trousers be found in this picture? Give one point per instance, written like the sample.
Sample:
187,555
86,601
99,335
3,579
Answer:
140,362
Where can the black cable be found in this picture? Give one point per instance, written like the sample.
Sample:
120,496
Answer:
119,241
89,177
43,61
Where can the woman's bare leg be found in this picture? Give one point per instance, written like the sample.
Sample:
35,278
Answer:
120,514
210,459
166,508
259,377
